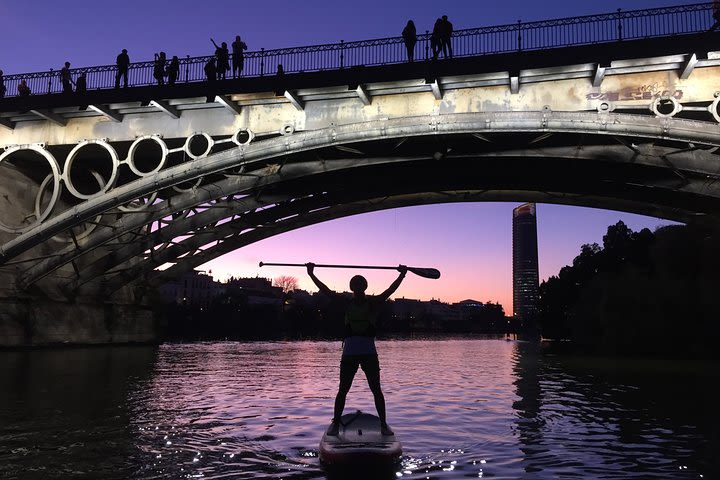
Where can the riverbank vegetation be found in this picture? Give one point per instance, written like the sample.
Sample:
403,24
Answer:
639,293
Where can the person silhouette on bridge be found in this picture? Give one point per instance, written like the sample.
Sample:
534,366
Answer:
173,70
446,31
23,89
81,84
223,59
123,64
3,88
66,78
435,40
211,71
159,68
716,15
409,35
361,312
238,57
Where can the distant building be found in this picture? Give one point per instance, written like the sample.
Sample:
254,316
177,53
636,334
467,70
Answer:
258,291
406,314
483,317
525,264
192,288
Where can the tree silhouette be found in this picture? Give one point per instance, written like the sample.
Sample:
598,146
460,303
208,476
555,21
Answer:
641,293
286,282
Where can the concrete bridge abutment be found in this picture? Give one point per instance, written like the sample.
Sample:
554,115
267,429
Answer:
33,319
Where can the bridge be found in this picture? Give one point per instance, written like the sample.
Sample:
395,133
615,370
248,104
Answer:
109,193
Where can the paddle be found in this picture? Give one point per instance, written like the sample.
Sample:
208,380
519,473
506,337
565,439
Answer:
422,272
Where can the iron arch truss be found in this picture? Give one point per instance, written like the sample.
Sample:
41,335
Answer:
661,166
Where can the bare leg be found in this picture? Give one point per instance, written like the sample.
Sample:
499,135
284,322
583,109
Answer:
347,373
373,378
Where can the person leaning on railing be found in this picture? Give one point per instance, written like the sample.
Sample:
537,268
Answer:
446,31
173,70
23,89
238,57
81,84
159,68
409,35
66,78
210,70
435,41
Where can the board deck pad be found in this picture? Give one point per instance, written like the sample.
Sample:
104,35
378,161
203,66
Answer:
360,441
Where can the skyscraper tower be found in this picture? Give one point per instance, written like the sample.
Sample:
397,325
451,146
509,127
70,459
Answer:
525,267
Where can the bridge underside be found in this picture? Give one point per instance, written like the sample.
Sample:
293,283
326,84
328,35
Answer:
665,168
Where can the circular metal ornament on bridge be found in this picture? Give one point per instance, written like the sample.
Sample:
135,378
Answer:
55,175
604,107
208,139
66,176
662,102
133,149
287,129
243,132
88,227
713,108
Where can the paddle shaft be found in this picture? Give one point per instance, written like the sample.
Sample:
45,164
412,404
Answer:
423,272
323,265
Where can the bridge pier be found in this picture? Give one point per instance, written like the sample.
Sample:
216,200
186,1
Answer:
30,323
48,315
29,319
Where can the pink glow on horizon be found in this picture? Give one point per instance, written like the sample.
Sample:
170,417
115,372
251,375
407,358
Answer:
471,245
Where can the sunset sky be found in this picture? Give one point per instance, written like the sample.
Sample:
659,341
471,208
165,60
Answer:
469,243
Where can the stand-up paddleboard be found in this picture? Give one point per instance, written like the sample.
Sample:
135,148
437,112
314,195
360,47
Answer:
360,442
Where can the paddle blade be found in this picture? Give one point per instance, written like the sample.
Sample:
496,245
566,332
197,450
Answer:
425,272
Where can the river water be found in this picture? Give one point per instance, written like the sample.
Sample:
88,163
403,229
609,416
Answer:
478,408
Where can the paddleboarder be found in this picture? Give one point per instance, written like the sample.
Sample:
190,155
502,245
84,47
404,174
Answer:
359,344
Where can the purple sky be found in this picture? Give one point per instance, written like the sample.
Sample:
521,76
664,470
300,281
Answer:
469,243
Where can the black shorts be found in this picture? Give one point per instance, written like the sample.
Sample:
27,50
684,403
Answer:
350,363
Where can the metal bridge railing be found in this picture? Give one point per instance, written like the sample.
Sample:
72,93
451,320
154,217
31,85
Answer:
548,34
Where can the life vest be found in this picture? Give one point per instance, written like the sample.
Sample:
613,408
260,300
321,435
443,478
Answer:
360,319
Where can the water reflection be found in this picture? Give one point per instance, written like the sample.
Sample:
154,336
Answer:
599,417
64,413
462,408
530,423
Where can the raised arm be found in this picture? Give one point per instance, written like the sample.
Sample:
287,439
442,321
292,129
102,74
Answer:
393,286
311,272
216,45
